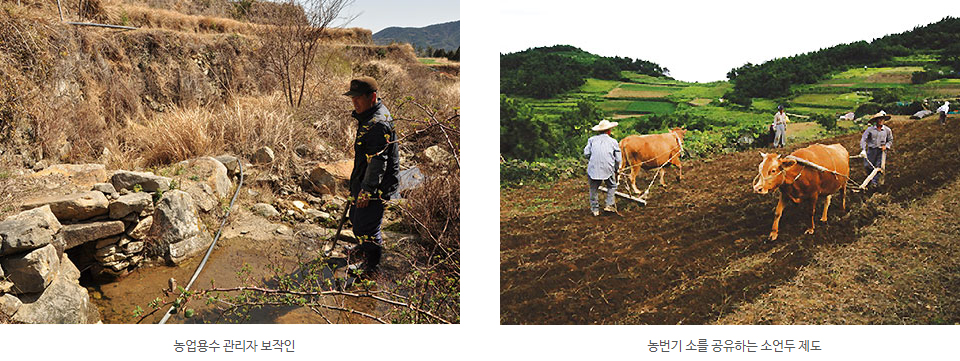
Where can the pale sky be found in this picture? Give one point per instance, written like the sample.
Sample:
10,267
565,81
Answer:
379,14
703,40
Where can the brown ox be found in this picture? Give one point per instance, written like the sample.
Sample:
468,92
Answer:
651,151
799,182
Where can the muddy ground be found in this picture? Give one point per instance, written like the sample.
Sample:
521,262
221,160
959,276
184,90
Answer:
699,250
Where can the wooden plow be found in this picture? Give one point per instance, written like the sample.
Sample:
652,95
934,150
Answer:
873,174
639,200
853,185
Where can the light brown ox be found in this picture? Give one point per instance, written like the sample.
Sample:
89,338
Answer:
651,151
799,182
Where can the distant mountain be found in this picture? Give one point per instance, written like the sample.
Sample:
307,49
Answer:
438,36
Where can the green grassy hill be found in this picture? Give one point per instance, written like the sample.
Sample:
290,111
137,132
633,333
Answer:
565,90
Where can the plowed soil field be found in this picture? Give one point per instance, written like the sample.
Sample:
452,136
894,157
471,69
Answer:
700,248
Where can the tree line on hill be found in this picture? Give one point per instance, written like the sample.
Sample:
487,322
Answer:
773,78
430,52
529,136
547,71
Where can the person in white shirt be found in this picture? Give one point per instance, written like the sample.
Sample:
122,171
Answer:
604,154
943,110
780,121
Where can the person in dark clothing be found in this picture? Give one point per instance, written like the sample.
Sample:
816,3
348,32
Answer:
376,167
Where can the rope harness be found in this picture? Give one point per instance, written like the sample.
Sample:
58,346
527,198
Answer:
816,166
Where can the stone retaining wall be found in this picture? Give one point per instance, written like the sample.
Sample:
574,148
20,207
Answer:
107,228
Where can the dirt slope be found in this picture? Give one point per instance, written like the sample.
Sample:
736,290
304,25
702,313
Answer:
699,250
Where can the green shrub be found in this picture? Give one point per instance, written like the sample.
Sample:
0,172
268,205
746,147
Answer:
826,121
868,108
518,172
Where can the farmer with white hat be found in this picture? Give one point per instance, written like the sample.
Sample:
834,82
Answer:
604,154
874,142
943,110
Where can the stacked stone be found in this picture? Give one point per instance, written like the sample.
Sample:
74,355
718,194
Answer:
109,222
107,229
38,281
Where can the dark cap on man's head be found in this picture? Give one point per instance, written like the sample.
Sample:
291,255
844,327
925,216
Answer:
362,86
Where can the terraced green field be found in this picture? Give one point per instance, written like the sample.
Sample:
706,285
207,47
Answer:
598,86
857,73
845,100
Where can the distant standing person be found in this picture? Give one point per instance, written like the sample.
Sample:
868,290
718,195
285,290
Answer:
376,166
780,121
874,142
604,154
943,110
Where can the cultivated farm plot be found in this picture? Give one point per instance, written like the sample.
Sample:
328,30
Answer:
621,92
860,73
699,250
637,107
598,86
845,100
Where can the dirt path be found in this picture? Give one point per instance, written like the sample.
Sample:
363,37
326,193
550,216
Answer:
699,250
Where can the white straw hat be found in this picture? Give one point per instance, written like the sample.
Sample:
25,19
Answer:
604,125
881,115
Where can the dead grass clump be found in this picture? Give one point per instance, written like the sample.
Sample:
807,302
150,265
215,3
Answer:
400,53
92,10
221,8
348,35
173,136
239,128
147,17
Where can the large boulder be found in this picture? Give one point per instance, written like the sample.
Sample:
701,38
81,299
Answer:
32,271
77,234
230,162
130,203
63,302
148,181
73,207
142,229
265,210
328,178
263,155
176,225
210,171
105,188
81,174
437,155
28,230
183,250
9,304
206,180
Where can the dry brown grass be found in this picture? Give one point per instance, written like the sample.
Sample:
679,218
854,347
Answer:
902,270
241,128
69,93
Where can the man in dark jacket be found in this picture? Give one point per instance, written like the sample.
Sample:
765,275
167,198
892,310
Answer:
376,166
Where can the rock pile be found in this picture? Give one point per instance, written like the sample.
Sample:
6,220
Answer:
108,229
38,282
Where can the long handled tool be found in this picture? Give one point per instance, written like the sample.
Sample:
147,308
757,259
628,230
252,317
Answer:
343,220
880,169
642,201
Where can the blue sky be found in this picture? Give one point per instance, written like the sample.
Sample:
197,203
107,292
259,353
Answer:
379,14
